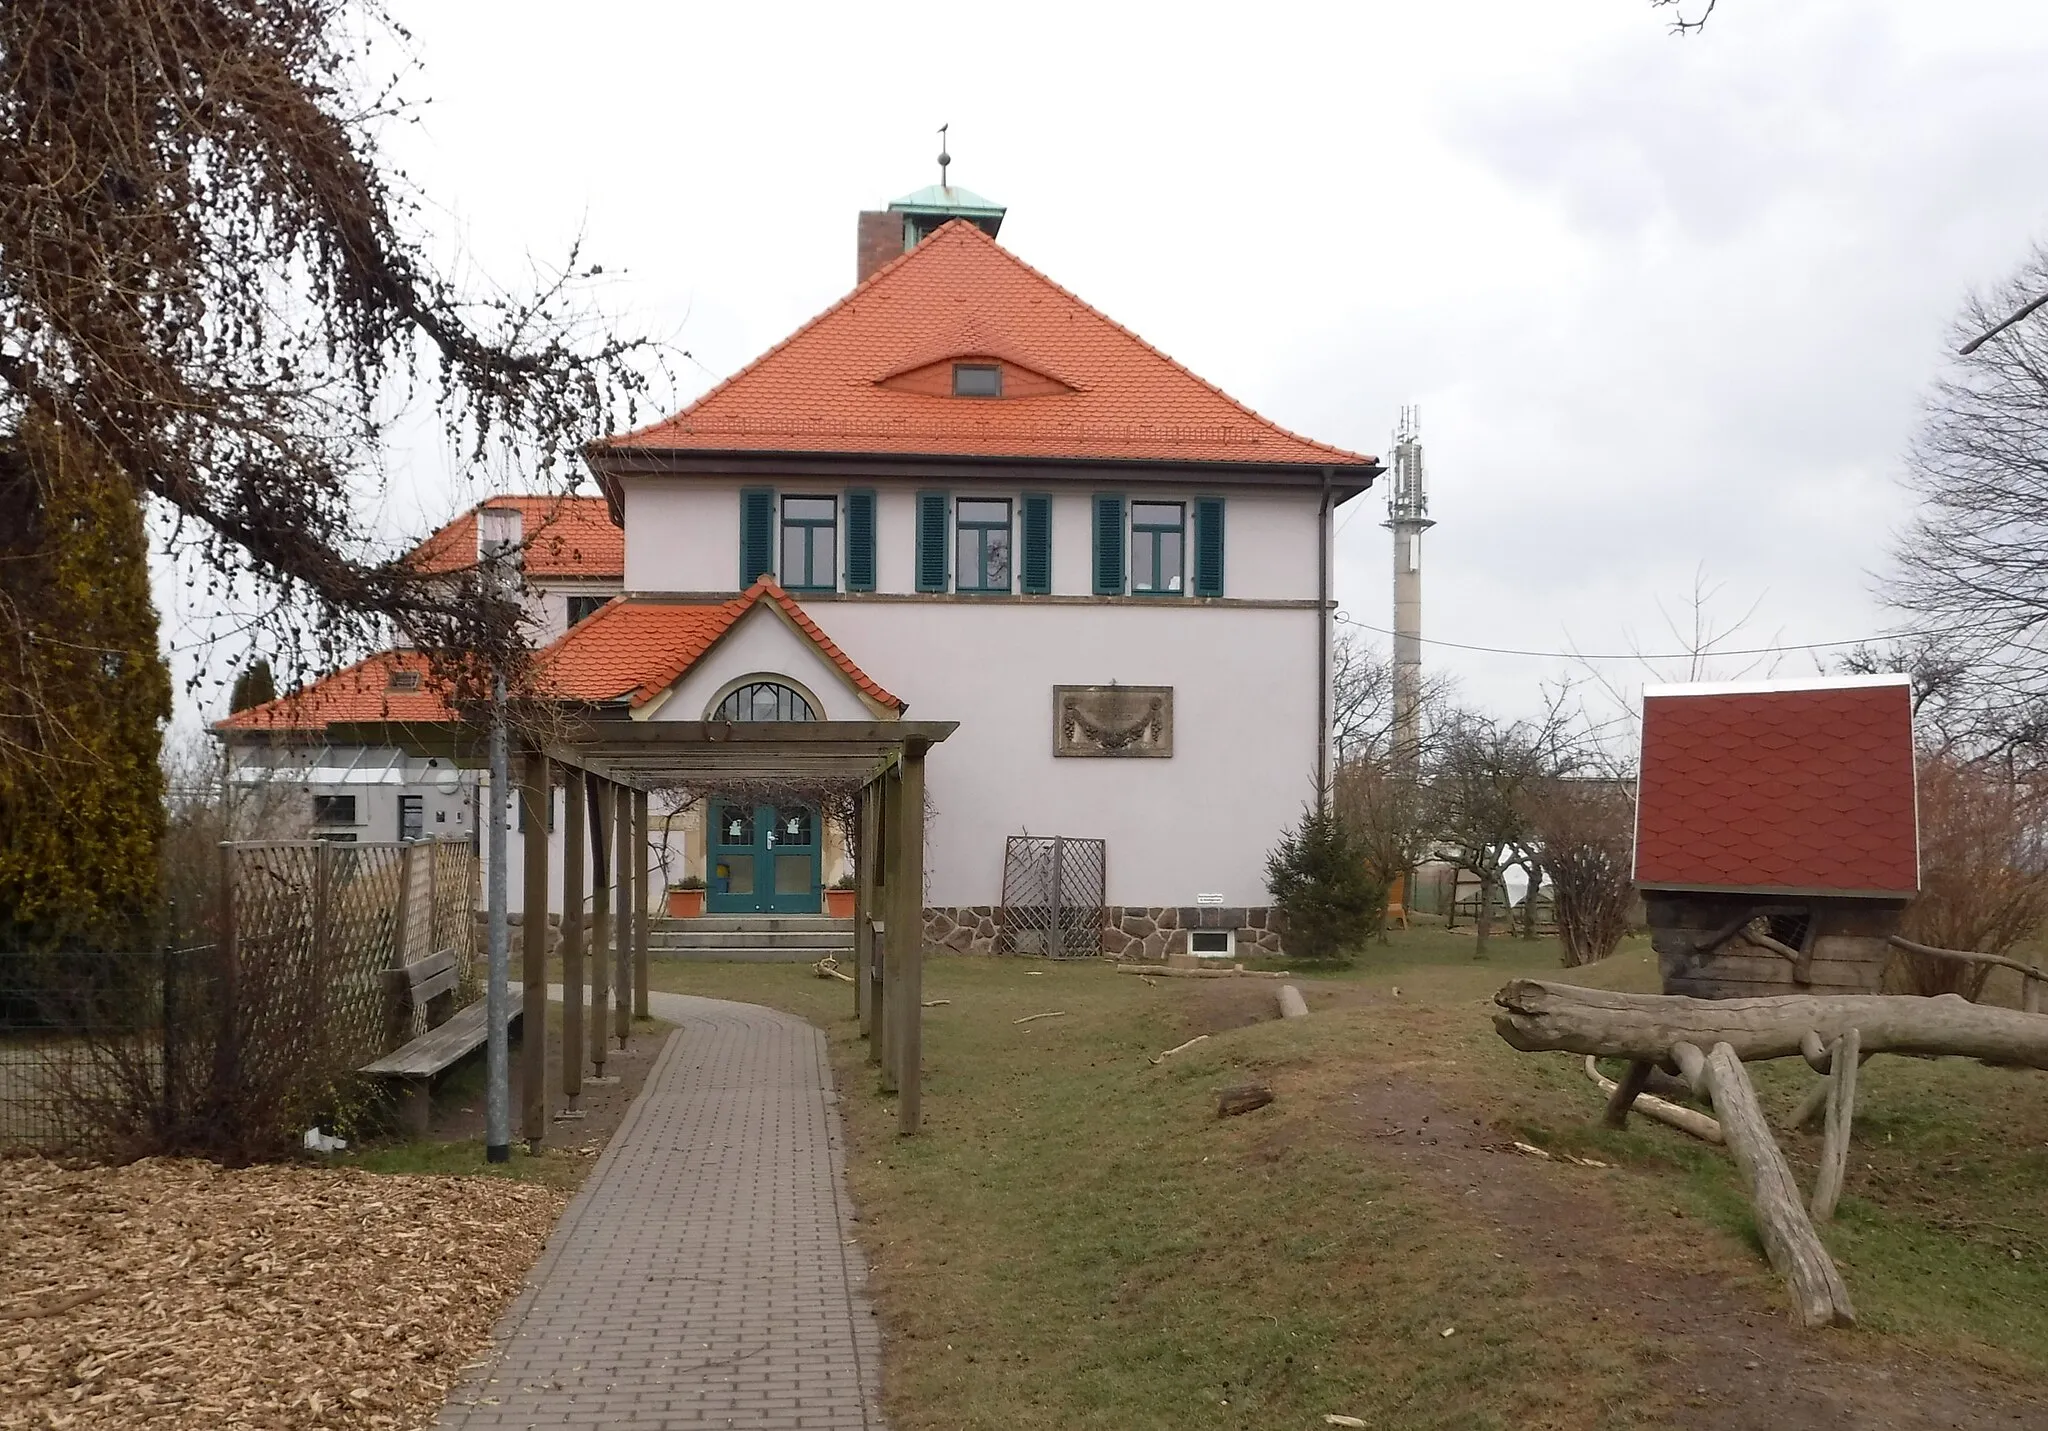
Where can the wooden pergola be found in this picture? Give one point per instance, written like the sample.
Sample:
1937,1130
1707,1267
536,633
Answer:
613,762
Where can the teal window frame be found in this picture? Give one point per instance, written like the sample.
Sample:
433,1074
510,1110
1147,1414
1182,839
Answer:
1148,545
973,541
807,530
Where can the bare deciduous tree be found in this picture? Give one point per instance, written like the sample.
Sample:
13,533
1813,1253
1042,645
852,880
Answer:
1969,567
1481,781
1584,827
1984,870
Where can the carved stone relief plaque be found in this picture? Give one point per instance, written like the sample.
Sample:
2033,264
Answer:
1112,720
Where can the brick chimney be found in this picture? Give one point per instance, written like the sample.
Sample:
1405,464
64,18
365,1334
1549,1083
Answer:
880,242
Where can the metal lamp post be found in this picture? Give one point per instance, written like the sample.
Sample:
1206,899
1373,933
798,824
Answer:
498,537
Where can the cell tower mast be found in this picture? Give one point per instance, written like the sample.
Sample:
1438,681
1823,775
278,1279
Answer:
1408,519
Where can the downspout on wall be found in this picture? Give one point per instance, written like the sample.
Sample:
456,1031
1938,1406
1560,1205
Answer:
1323,646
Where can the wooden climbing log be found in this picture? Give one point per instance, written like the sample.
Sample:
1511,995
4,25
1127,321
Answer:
1819,1296
1834,1154
1625,1093
1686,1120
1536,1015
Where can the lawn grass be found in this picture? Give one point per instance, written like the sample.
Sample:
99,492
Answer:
1078,1242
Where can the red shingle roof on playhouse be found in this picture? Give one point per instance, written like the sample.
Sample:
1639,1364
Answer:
1777,787
1093,389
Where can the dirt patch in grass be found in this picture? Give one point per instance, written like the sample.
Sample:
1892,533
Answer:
170,1294
1720,1361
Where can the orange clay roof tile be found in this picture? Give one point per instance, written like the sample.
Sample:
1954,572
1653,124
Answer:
635,650
566,537
960,294
626,650
362,692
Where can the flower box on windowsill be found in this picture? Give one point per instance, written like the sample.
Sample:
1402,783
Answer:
685,903
839,903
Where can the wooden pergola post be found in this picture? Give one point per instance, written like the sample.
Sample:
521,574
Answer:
537,794
906,938
883,955
866,855
573,794
622,922
640,894
600,919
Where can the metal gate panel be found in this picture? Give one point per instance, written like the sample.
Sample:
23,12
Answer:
1053,893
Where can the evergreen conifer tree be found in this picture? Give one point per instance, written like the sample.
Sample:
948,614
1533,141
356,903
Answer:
1318,877
83,697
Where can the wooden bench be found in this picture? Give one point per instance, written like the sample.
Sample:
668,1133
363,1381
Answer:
416,988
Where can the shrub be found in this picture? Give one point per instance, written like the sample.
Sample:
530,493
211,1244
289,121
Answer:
1318,879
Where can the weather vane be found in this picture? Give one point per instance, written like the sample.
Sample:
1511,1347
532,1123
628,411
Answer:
944,157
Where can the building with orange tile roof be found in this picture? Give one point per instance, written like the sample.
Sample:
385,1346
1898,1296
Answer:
963,493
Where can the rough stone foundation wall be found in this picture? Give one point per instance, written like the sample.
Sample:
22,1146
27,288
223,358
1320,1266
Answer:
1144,934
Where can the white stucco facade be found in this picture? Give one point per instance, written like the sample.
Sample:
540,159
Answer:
1191,828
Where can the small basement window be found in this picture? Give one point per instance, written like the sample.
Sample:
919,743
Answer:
1212,943
977,380
334,809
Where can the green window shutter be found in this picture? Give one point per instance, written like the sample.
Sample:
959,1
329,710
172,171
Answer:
1208,546
860,539
1035,567
1109,544
757,533
931,541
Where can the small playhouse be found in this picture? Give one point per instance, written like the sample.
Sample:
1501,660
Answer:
1777,833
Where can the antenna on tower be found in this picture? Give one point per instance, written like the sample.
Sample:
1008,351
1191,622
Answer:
1408,518
944,157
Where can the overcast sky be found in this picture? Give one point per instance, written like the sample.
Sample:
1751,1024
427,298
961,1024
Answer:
1668,304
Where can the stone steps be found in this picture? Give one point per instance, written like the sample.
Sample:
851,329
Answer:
752,938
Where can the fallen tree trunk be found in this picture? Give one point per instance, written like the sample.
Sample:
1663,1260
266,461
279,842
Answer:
1537,1015
1819,1296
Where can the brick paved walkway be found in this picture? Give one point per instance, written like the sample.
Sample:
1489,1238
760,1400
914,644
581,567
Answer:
706,1275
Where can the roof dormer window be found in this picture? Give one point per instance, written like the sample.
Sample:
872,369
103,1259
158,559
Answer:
404,681
983,380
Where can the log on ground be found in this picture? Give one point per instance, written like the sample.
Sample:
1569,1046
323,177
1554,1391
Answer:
1537,1015
1242,1098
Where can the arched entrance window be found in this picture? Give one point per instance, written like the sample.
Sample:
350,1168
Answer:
764,700
764,858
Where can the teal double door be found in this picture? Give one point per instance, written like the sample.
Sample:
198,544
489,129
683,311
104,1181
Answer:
765,859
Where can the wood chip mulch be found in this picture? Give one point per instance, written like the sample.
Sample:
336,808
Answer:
178,1294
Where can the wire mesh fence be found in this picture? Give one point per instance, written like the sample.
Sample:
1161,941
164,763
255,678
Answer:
222,1047
1053,895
